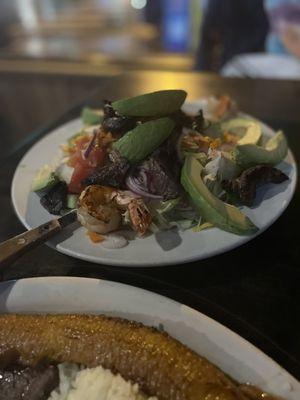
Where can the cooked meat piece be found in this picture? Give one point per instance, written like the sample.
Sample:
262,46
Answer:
55,200
108,110
115,123
244,187
161,365
113,174
28,383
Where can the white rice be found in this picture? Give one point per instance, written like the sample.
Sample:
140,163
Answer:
94,384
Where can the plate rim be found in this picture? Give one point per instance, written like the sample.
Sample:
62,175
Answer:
167,262
71,280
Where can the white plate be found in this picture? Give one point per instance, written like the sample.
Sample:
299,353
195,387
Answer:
167,247
230,352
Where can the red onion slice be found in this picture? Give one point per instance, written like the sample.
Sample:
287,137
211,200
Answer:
90,146
135,187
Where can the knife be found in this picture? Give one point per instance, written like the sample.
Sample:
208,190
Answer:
13,248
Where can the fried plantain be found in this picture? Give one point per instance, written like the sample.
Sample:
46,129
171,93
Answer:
161,365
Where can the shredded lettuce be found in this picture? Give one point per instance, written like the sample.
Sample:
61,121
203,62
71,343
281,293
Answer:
219,168
183,224
167,214
166,206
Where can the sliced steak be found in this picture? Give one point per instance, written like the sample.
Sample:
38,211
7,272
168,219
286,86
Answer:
28,383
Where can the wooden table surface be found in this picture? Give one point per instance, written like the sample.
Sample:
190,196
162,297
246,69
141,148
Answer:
253,289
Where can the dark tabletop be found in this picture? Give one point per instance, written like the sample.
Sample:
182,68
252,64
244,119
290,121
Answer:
254,289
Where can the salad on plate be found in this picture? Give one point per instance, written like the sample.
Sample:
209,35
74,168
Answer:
143,164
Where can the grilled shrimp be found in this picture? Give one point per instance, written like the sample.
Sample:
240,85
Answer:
100,209
97,211
139,215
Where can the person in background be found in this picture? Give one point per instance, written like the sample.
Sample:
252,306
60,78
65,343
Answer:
229,28
282,57
284,36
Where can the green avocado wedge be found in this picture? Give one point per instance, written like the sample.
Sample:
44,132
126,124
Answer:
249,130
44,180
141,141
90,116
155,104
212,209
272,153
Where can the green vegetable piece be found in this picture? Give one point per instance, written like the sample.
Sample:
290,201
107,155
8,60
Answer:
273,153
44,180
212,209
141,141
155,104
72,200
168,205
91,116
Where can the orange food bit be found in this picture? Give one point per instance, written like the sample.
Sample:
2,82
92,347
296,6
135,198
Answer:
95,237
80,138
199,142
104,138
202,139
215,143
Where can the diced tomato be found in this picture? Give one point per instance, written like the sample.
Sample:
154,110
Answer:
96,157
84,167
80,172
73,160
80,145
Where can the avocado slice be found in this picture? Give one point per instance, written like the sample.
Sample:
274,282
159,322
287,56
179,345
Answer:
212,209
44,180
155,104
272,153
249,130
141,141
72,200
91,116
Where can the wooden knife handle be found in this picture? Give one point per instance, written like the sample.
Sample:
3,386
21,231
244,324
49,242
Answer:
13,248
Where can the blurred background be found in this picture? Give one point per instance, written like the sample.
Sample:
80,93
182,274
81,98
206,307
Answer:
231,37
55,53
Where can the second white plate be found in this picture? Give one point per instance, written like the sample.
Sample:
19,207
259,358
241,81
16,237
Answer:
234,355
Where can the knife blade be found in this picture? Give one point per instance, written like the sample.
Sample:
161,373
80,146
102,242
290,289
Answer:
13,248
